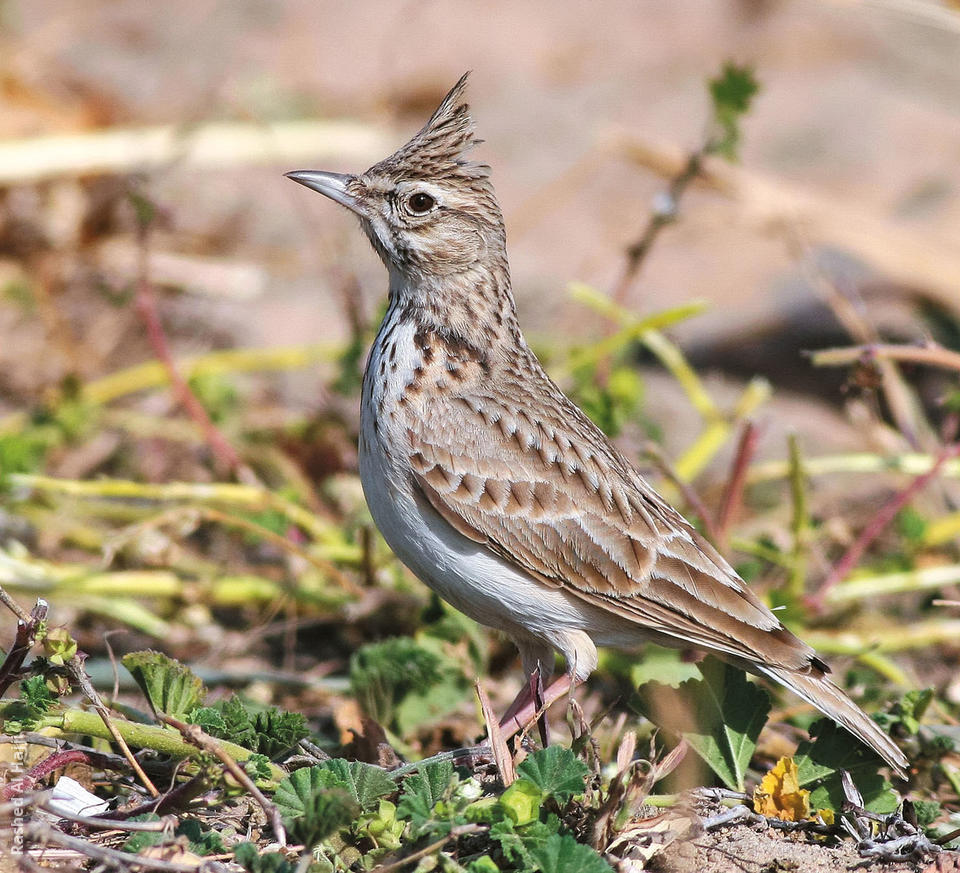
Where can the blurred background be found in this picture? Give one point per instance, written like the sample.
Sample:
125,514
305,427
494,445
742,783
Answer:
143,214
851,154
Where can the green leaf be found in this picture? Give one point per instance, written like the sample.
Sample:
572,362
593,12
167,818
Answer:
140,840
258,767
202,841
249,856
199,840
926,811
556,771
662,665
517,844
210,720
58,646
483,864
731,93
383,827
365,783
22,453
908,711
521,802
268,731
170,686
720,716
36,695
819,764
227,719
422,791
911,525
563,854
313,805
400,682
277,730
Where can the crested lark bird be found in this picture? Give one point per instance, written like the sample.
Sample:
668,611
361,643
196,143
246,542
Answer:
493,487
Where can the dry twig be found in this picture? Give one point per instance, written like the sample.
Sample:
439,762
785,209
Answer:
79,677
932,354
498,745
733,493
27,628
193,734
147,308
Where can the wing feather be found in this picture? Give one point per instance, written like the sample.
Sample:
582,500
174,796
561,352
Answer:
545,490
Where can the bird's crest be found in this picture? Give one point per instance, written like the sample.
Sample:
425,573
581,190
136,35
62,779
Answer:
439,148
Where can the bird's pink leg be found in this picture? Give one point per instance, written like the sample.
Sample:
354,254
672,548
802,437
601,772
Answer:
524,696
524,708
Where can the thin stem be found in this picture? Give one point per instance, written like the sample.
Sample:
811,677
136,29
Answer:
195,735
884,516
664,213
146,305
733,493
80,678
931,353
800,523
655,453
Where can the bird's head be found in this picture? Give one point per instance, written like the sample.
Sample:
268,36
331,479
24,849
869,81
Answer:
428,210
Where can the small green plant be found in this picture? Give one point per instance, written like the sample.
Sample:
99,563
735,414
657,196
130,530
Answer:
266,730
731,93
198,839
719,715
169,686
402,682
832,750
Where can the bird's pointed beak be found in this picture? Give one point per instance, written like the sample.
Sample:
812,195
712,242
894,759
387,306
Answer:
332,185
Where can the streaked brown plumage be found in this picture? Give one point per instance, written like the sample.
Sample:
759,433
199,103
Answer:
495,488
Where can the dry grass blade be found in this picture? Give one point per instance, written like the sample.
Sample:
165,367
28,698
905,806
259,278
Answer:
125,150
498,744
932,354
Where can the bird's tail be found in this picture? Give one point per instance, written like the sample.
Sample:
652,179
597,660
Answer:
831,700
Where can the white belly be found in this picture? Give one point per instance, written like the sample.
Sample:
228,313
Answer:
470,577
462,572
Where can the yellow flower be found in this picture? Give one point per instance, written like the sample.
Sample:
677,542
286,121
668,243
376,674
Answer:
779,794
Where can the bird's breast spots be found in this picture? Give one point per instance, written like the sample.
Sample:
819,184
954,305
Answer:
422,341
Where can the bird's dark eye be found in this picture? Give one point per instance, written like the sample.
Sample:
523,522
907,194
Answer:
421,203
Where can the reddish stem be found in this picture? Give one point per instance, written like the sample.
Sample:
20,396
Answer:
884,516
733,494
26,635
41,770
146,304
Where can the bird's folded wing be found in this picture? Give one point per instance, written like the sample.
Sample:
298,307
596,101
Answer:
544,490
